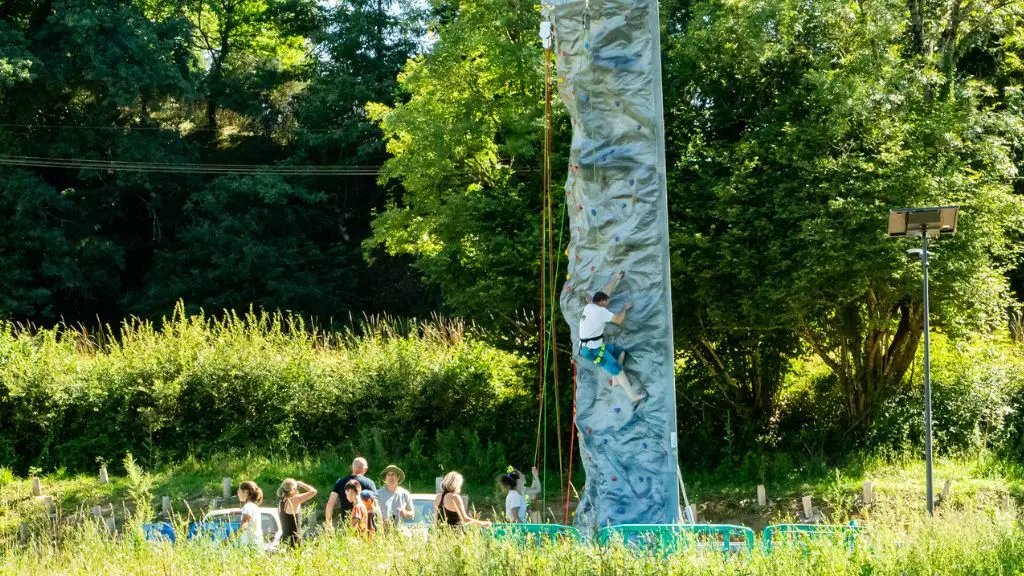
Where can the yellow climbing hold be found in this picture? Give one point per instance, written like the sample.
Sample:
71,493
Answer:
568,276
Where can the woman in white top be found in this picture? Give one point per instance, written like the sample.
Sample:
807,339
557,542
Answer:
250,532
516,509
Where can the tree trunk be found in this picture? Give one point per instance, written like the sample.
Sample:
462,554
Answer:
868,369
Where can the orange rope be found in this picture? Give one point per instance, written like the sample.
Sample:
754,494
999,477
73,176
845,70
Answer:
572,440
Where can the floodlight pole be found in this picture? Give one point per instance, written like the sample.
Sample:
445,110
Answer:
927,380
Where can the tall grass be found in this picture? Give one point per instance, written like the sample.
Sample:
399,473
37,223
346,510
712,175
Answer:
428,392
962,545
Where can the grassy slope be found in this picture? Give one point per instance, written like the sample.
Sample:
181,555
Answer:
980,484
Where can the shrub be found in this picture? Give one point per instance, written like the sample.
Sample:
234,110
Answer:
261,382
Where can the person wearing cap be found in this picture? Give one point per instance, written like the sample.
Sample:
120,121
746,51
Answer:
369,498
593,347
395,501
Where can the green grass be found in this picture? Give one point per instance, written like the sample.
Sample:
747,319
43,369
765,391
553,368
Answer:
962,544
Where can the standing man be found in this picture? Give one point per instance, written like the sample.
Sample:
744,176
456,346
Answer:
359,470
395,501
593,348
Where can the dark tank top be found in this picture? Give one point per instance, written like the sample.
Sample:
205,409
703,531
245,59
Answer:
447,516
290,525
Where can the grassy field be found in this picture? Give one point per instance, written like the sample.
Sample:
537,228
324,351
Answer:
959,544
976,530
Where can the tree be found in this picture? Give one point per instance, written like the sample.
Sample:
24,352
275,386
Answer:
804,124
466,147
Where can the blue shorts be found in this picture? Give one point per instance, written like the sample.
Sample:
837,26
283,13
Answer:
607,357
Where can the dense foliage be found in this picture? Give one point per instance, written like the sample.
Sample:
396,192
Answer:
792,128
423,394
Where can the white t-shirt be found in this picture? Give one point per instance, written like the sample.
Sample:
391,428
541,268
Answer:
593,322
514,500
253,535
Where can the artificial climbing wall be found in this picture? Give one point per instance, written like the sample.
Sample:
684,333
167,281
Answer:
609,78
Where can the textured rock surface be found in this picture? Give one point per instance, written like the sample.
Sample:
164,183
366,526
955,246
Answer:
609,75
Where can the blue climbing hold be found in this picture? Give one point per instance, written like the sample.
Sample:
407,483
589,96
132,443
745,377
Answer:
616,103
586,98
623,204
616,238
622,511
631,181
617,409
639,127
644,445
593,212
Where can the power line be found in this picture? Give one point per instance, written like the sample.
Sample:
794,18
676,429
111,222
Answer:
174,129
184,168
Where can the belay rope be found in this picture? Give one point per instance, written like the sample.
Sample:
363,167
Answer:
550,267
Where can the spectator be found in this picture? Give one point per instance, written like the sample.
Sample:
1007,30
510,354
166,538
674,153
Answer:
250,532
395,501
358,517
369,499
290,509
359,470
449,506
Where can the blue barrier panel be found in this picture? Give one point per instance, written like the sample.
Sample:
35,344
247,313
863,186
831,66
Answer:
534,533
158,532
805,532
670,538
216,531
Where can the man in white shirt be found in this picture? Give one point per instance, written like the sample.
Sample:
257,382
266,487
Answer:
596,316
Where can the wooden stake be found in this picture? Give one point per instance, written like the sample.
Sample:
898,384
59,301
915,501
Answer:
762,496
869,492
227,487
23,533
47,501
37,486
104,477
947,489
808,508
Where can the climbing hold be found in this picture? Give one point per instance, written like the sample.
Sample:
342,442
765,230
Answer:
615,478
567,277
610,382
586,45
641,478
616,238
586,98
617,104
622,511
617,409
623,204
589,431
568,288
593,268
593,212
579,208
566,251
639,127
631,181
644,445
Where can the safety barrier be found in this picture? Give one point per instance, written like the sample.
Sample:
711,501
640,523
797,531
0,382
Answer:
534,533
158,532
670,538
796,532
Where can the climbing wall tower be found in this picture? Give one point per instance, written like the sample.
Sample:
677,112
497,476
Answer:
609,78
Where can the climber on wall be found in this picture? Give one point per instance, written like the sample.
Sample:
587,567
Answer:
592,345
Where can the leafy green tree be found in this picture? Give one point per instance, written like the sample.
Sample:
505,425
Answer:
466,147
804,124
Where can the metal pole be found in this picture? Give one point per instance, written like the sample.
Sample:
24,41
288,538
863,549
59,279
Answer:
927,380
